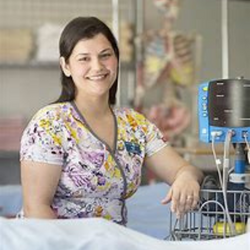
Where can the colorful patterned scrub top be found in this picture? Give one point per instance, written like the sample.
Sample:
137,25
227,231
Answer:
95,181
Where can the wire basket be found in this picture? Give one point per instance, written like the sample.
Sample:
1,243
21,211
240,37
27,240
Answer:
212,219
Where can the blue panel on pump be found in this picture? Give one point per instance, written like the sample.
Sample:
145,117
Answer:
203,112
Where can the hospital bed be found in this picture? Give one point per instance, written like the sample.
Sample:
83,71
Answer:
146,214
148,226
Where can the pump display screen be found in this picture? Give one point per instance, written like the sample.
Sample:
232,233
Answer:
229,103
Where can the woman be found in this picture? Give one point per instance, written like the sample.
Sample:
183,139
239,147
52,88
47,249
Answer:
81,157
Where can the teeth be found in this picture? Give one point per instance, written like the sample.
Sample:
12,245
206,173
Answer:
97,77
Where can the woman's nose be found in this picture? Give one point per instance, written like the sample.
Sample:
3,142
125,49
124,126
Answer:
97,64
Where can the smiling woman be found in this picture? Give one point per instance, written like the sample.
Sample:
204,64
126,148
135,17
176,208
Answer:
82,31
81,156
92,66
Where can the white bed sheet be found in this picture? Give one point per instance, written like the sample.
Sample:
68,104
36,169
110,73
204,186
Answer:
96,234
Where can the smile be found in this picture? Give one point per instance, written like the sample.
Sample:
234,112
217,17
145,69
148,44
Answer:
98,77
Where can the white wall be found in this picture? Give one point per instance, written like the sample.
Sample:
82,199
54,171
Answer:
26,88
24,91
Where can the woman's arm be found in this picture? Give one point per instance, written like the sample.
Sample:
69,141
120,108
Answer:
39,183
184,179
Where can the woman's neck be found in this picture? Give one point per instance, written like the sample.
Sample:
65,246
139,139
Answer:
92,107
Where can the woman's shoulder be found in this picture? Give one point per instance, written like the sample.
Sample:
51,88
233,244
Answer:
130,113
53,111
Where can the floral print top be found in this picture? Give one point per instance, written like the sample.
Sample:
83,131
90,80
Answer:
95,181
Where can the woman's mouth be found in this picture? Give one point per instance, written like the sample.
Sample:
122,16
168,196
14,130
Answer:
97,77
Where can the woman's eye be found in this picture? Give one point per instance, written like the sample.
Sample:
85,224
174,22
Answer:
84,59
106,55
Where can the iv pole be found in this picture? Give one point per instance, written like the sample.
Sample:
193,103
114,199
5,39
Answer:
225,39
115,26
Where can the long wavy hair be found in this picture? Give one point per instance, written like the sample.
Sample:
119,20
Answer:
76,30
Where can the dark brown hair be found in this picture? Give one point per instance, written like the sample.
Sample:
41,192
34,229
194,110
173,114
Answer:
76,30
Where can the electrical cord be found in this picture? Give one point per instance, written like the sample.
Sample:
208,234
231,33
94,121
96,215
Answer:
225,179
216,160
248,147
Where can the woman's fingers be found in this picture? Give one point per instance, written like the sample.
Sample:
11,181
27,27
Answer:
181,202
196,200
184,203
168,197
189,203
175,201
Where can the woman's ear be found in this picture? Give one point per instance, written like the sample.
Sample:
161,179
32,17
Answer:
64,66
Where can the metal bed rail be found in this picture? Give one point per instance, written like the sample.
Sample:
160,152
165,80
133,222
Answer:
211,219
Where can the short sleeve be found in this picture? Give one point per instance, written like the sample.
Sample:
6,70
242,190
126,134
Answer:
154,139
42,140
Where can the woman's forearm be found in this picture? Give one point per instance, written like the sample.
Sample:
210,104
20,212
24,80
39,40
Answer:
39,212
189,171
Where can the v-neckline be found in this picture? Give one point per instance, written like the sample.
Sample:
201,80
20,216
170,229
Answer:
84,121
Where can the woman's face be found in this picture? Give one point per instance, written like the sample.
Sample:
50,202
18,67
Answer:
92,66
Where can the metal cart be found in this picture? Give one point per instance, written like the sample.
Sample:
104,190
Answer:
210,220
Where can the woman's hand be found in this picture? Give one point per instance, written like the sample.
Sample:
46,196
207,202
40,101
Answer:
183,178
184,194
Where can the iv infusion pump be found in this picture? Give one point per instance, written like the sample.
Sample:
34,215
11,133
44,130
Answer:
224,117
224,105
